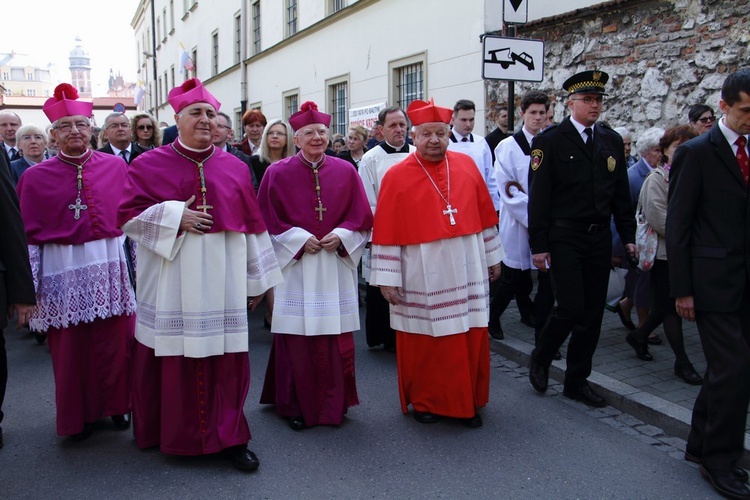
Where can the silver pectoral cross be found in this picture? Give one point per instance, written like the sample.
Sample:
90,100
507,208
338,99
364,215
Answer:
449,212
77,207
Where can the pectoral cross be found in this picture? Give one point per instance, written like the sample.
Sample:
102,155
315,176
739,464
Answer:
204,207
449,212
320,209
77,207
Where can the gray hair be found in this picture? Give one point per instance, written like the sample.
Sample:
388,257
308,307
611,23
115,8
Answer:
28,130
112,116
649,139
624,133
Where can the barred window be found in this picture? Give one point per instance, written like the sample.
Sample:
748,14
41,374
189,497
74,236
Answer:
410,84
291,17
339,107
256,27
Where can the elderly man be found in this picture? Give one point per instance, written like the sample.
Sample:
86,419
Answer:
375,163
17,286
9,125
578,180
434,244
119,137
202,250
317,213
85,301
32,143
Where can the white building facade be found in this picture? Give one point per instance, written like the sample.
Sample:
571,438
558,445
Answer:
342,54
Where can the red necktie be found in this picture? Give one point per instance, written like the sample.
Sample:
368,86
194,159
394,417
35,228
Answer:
742,158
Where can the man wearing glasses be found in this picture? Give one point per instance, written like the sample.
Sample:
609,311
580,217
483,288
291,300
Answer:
84,300
221,141
577,180
119,137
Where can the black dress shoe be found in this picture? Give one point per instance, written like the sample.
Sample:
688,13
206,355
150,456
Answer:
654,339
538,374
726,483
585,394
557,356
473,422
641,349
424,417
242,458
687,373
40,338
496,331
738,472
389,348
88,430
121,422
626,322
529,321
297,423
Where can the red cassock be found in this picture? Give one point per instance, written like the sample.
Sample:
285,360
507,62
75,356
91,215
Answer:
445,375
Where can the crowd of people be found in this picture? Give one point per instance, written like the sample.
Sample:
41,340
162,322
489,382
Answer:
136,252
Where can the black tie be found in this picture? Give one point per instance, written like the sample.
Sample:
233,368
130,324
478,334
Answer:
13,154
464,140
124,154
589,138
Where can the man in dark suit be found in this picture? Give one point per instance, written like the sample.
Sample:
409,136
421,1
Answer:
577,180
16,285
9,125
119,137
708,223
169,135
500,132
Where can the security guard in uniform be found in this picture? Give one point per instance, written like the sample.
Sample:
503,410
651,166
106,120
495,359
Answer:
578,179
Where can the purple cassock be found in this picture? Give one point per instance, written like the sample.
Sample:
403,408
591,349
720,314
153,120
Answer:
184,405
85,300
310,374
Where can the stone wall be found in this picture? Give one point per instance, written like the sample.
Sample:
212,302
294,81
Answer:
662,57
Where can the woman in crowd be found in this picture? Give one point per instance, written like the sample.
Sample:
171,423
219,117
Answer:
32,143
276,143
145,132
253,124
701,118
355,145
653,201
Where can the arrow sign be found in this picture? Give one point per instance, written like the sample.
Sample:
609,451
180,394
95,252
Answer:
515,11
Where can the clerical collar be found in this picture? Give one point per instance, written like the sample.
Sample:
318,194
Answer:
197,155
456,137
311,164
393,149
75,160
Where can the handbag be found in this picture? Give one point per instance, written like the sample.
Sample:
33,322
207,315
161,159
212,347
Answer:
646,240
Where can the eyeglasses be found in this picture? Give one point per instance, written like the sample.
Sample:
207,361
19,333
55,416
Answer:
276,134
309,133
118,125
224,126
589,100
67,127
145,127
707,119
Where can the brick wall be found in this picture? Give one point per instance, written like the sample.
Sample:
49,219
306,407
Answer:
662,57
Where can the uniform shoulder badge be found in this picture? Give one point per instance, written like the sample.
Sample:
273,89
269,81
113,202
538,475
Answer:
611,164
536,159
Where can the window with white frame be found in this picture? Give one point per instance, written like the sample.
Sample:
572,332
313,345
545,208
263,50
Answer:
335,5
291,102
215,53
338,103
237,38
291,17
256,26
407,79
